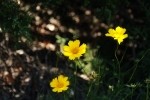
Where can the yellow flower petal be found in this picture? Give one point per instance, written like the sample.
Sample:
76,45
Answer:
82,48
117,34
55,90
67,53
61,78
60,84
70,43
125,36
76,43
59,90
72,57
120,30
53,84
112,32
74,50
66,48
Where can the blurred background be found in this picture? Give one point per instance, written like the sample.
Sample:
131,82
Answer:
32,33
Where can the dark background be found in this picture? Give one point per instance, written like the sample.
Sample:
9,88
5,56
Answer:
33,32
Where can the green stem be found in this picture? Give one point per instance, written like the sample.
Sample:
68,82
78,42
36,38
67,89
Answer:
147,92
136,65
123,55
89,90
65,96
131,93
75,79
118,63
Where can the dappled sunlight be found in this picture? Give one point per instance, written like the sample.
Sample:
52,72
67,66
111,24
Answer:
33,34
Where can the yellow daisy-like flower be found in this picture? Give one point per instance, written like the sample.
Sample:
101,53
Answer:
117,34
60,83
74,50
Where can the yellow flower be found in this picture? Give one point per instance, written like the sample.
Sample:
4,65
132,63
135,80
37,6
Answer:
59,83
74,50
117,34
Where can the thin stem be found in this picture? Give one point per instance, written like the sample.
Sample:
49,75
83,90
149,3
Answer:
81,66
75,79
89,90
131,93
65,96
147,92
118,63
123,55
136,65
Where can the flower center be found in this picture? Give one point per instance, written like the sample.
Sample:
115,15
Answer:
60,85
75,50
